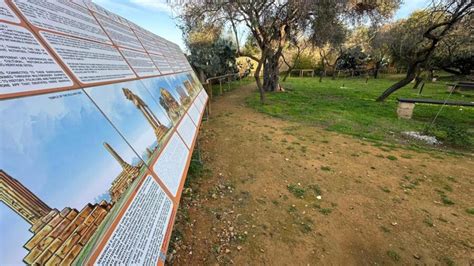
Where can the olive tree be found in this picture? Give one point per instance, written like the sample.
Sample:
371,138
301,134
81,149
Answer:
273,24
413,41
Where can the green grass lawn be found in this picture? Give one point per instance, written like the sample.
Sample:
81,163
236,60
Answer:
219,89
347,105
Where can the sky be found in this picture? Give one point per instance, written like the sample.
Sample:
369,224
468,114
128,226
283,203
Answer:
157,17
126,117
54,147
409,6
153,15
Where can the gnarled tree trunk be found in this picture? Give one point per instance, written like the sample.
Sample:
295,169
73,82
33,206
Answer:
377,69
418,78
411,73
271,72
259,81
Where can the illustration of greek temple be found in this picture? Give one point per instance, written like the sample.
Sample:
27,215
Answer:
189,87
170,104
195,82
184,98
122,182
59,236
158,127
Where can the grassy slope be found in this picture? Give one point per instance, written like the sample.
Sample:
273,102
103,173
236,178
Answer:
351,109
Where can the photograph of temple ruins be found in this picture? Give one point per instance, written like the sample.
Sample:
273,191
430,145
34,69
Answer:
196,84
58,227
159,129
172,107
57,199
184,95
171,93
143,119
60,235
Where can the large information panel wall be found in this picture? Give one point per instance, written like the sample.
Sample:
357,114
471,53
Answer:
99,118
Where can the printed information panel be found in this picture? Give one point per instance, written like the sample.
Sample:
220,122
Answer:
99,122
194,113
7,14
119,33
187,130
140,62
62,16
90,62
175,154
25,65
161,63
139,236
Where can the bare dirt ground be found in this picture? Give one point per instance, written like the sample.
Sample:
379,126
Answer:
281,193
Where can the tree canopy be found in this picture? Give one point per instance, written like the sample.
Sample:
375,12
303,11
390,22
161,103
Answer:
275,24
338,34
415,39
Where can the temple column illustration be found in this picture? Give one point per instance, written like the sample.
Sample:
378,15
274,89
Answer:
184,98
170,105
160,129
125,178
58,236
21,200
189,87
194,81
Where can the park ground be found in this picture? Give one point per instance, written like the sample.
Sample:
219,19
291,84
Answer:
321,175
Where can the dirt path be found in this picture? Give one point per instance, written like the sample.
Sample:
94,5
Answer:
282,193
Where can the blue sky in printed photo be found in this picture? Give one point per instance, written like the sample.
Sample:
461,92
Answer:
154,85
126,117
54,147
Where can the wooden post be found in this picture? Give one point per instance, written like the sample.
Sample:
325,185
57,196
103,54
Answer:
208,88
208,107
421,88
220,85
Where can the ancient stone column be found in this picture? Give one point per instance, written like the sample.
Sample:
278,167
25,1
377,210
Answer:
21,200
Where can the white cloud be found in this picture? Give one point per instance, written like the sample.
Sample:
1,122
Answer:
159,5
116,6
23,131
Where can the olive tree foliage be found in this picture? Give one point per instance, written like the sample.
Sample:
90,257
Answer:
367,47
414,40
330,40
378,48
455,53
215,58
210,53
298,54
276,23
